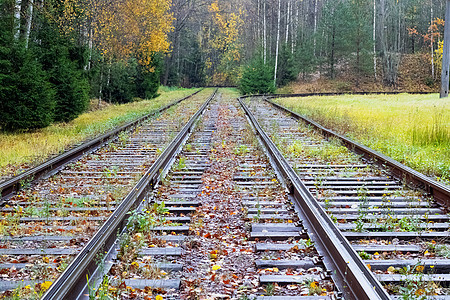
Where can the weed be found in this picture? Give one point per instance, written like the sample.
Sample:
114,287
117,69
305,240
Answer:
313,287
296,148
270,289
111,172
181,164
241,150
442,251
364,255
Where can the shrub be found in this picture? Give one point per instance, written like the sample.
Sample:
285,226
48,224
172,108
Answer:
257,78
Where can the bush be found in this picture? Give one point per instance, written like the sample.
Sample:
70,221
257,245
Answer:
257,78
130,80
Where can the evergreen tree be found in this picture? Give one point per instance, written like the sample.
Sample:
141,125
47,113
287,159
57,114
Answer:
64,65
26,97
286,70
335,23
304,58
120,84
148,81
257,78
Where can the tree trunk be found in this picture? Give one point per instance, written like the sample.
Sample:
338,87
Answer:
432,41
29,21
91,47
17,18
277,47
100,86
315,26
389,53
333,44
265,32
288,21
446,54
375,39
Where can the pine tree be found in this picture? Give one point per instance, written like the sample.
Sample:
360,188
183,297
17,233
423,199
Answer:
286,70
257,78
305,59
26,97
120,87
63,63
148,80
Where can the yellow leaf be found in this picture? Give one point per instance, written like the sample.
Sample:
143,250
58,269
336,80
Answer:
391,269
46,285
216,267
159,297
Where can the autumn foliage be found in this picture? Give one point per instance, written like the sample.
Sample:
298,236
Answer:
74,50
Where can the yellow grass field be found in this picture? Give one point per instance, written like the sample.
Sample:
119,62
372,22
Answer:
22,150
413,129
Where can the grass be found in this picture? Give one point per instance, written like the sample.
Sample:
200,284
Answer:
413,129
22,150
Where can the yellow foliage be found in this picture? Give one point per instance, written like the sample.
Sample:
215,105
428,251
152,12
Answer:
46,285
227,26
122,28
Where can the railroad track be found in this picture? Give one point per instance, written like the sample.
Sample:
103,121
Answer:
401,232
49,221
221,224
219,213
204,231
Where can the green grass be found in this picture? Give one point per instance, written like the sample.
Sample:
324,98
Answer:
413,129
19,150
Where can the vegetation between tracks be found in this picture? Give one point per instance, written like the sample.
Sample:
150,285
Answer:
21,150
413,129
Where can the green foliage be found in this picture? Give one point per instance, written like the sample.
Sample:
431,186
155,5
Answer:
257,78
26,98
346,35
147,82
43,83
304,57
119,83
286,69
64,66
128,80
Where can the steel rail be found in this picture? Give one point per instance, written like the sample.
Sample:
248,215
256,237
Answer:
439,191
334,94
351,275
13,185
74,279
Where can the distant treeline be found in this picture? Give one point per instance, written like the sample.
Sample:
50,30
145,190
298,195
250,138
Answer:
221,42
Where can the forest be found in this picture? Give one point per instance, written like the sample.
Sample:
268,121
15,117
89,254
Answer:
56,55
